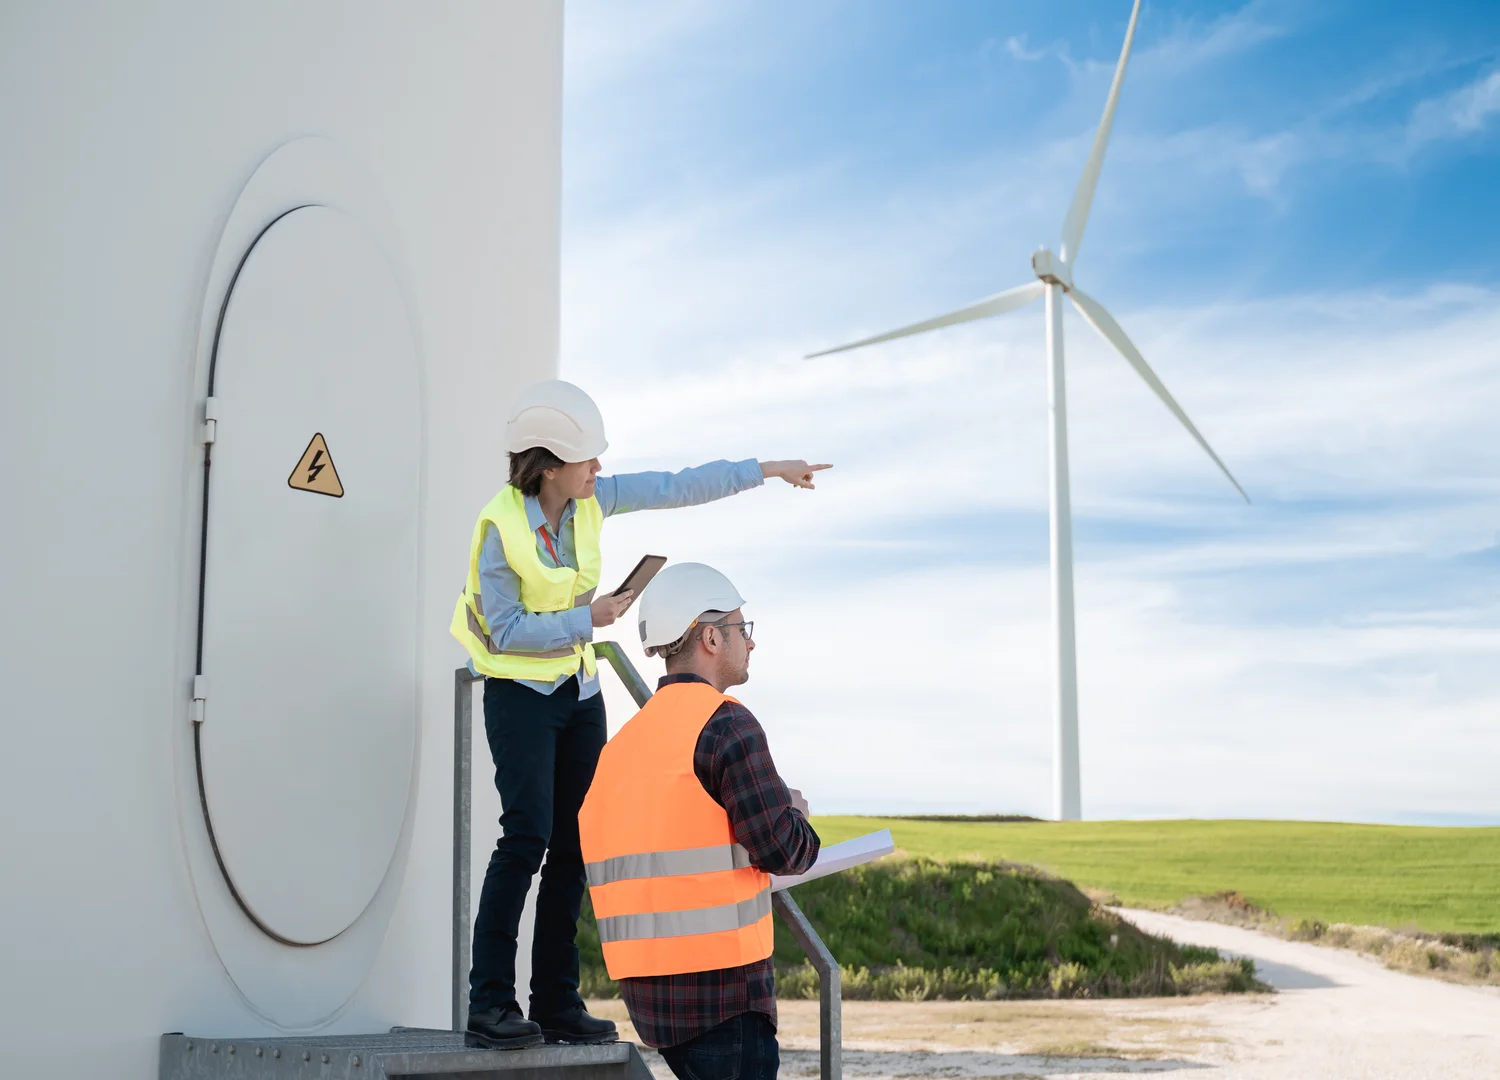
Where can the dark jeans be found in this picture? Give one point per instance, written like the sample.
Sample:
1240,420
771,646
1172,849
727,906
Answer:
545,747
741,1048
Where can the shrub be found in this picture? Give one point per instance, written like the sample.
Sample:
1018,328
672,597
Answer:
1308,929
1216,977
921,929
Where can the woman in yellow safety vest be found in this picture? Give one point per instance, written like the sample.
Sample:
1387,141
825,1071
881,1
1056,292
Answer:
527,617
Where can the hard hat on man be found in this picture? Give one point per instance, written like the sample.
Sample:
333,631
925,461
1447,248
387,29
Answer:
676,597
559,417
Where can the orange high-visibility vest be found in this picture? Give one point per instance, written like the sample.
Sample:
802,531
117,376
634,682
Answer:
672,891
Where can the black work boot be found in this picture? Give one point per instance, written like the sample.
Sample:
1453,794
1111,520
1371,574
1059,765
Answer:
578,1027
502,1029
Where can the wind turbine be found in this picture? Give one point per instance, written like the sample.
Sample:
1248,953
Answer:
1054,274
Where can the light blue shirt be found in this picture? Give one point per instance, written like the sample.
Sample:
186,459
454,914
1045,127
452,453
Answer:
513,627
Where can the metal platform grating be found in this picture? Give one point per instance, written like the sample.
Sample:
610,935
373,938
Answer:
417,1053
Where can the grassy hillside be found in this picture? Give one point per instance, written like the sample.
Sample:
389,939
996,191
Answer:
1431,879
917,929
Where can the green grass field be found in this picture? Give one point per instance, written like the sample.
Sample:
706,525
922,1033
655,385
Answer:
1433,879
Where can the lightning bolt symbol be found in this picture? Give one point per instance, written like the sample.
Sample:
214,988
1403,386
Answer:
313,468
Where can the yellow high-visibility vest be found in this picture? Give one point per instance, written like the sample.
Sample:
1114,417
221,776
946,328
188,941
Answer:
543,588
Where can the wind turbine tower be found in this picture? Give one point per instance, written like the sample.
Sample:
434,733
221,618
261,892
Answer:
1054,273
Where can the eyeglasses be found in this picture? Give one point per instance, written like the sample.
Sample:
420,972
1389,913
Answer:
747,628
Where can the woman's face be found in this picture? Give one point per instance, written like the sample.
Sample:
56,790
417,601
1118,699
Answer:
574,480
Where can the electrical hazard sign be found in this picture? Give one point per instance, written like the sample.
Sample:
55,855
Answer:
315,472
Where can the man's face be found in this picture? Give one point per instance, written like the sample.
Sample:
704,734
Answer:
734,651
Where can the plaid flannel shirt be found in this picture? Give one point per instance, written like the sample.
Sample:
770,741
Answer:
733,763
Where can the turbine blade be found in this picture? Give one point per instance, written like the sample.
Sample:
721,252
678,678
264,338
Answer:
1104,322
998,304
1083,196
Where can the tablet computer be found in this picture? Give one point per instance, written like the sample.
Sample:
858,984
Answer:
641,576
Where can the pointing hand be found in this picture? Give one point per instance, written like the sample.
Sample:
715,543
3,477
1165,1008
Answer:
797,473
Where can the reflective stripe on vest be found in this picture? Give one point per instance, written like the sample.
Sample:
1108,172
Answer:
673,924
672,890
474,610
649,864
543,589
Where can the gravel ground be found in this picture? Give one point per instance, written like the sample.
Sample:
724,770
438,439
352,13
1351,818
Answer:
1341,1015
1336,1016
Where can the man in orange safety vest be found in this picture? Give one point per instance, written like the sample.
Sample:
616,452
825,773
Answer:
685,822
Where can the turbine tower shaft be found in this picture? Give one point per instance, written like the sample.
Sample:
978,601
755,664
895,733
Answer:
1067,798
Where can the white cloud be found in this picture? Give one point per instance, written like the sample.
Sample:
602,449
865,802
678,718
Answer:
1264,160
1461,113
1192,44
1015,45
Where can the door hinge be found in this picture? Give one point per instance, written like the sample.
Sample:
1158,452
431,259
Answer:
200,699
210,420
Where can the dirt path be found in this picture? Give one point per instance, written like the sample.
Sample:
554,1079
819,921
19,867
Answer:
1337,1017
1341,1015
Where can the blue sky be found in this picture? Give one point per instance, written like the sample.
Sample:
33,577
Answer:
1296,223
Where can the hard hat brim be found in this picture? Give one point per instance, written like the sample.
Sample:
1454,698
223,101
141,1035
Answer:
569,455
720,605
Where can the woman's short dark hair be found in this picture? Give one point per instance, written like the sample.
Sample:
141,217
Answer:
526,468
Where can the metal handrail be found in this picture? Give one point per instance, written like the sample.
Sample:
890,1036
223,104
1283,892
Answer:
463,753
830,987
830,991
611,654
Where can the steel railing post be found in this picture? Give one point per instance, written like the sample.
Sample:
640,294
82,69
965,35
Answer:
830,985
463,752
609,652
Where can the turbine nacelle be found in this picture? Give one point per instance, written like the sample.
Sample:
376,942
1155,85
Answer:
1052,270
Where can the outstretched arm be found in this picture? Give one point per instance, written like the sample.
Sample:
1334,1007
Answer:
691,487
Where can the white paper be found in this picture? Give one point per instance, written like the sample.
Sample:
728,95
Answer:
836,857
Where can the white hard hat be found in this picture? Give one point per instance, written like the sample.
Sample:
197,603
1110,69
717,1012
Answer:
676,597
559,416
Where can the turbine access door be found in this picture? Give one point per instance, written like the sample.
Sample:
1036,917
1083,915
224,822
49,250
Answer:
309,635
